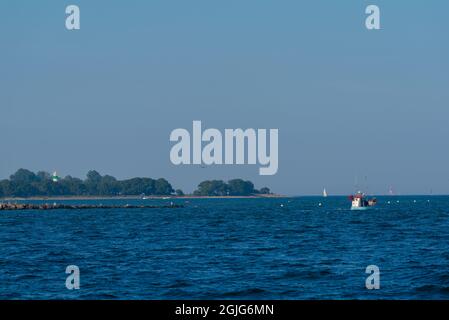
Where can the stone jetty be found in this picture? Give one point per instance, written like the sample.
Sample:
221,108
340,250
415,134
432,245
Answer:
59,206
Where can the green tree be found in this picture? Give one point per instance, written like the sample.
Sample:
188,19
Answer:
24,189
74,186
265,190
239,187
137,186
108,186
163,187
92,182
5,186
43,175
212,188
234,187
23,176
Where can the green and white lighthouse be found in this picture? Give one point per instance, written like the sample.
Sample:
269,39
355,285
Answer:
55,177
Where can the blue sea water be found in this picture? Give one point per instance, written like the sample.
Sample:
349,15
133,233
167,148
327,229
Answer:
289,248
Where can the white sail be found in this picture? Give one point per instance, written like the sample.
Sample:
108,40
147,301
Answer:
324,193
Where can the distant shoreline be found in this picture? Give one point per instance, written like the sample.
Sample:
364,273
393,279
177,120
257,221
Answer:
40,198
153,197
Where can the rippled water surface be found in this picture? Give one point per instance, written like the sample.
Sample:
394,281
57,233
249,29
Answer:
229,249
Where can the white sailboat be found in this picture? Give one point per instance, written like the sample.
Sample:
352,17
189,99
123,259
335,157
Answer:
324,193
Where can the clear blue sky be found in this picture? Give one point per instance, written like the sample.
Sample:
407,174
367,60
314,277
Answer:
347,101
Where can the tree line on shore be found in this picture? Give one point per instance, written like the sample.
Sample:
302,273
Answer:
25,183
234,187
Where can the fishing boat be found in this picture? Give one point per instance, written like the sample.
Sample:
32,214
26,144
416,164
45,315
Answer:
359,201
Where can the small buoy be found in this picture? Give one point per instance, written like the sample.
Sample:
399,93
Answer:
397,201
414,201
320,204
389,202
282,205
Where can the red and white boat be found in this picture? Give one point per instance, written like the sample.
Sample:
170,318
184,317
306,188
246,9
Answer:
360,202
